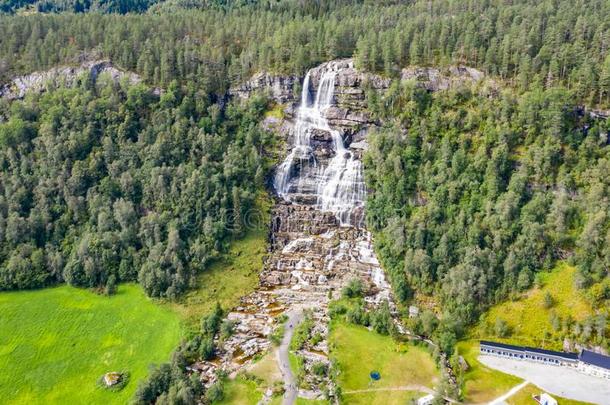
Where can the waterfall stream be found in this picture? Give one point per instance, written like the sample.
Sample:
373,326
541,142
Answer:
338,184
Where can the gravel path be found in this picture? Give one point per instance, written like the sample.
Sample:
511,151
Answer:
501,399
561,381
290,384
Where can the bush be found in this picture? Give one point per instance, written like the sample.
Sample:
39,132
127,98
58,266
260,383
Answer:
216,392
110,288
207,350
501,328
277,335
320,369
548,301
353,289
226,329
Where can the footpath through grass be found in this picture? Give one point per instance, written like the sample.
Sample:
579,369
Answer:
55,343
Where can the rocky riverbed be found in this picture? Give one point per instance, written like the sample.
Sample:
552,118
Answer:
311,255
316,247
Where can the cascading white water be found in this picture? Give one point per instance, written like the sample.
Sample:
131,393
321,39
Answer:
339,185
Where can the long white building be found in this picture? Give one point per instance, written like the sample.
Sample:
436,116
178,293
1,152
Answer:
586,361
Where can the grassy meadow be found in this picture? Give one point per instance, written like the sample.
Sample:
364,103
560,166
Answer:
359,351
524,396
527,318
481,383
55,343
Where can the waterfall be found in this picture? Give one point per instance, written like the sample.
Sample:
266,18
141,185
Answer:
336,185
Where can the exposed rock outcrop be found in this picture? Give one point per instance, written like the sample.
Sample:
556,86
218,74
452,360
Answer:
434,79
279,88
314,252
349,112
39,82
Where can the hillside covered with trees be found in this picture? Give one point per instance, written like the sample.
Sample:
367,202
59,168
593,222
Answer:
111,183
475,193
215,43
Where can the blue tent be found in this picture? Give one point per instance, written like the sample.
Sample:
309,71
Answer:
375,376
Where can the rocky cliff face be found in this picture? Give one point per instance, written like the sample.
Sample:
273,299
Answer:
279,88
314,252
434,79
39,82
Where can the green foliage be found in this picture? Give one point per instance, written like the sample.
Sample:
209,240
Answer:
302,332
210,324
353,289
501,328
169,384
110,182
216,392
548,300
213,43
381,319
478,194
319,368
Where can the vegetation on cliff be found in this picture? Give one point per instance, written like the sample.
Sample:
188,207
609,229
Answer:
526,42
476,193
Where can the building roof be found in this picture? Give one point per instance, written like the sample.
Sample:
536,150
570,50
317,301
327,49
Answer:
501,345
595,359
571,356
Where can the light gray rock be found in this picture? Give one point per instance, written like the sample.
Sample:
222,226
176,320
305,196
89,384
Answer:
434,79
39,82
279,88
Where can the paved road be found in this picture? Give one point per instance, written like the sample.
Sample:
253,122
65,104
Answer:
290,385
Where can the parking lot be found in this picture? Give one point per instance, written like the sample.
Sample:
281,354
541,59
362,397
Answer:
561,381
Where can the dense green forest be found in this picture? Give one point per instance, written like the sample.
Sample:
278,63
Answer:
108,183
473,191
473,194
216,43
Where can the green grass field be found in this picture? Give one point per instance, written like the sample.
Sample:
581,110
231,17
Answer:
529,320
240,392
359,351
55,343
382,397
